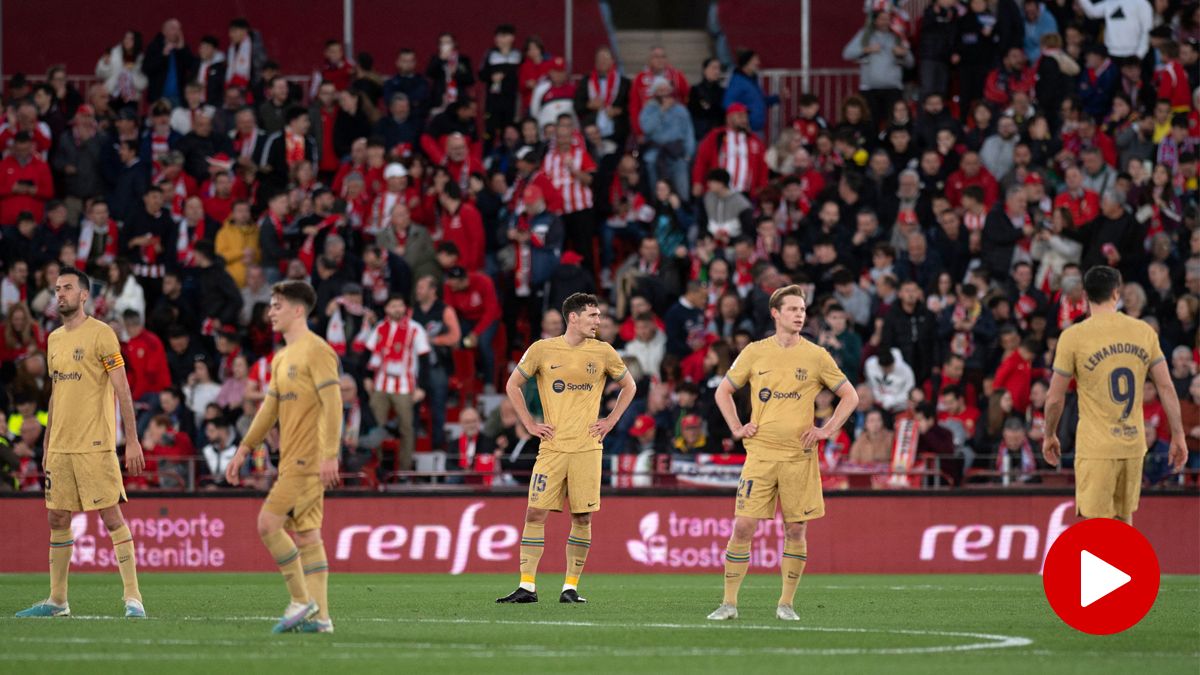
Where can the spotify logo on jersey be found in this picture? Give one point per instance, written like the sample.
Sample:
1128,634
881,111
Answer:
764,394
559,386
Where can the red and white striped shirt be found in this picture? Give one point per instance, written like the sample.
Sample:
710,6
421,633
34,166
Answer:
394,347
558,164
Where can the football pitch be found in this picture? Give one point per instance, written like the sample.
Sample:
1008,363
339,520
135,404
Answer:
205,623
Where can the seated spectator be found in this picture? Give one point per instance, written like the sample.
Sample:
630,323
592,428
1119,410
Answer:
25,181
168,452
875,443
22,336
472,451
649,343
1013,74
937,440
1015,456
890,379
219,450
691,437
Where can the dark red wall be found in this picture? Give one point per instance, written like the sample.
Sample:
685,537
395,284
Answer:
40,33
772,28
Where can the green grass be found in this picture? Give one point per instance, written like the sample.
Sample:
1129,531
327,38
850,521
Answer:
205,623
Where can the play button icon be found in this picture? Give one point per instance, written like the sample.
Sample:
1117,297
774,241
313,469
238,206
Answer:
1097,578
1101,576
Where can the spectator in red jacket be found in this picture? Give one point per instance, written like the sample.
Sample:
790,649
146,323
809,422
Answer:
972,172
336,69
733,148
1082,203
25,181
1015,374
146,359
1171,80
462,225
472,295
643,85
1013,75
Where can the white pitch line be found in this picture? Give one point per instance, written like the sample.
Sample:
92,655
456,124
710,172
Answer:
984,640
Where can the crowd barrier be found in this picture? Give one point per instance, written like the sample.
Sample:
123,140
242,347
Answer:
893,534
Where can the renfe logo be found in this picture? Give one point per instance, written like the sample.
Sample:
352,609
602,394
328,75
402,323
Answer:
434,542
708,536
976,543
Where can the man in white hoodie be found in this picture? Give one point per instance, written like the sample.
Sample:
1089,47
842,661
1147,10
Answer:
890,379
1127,25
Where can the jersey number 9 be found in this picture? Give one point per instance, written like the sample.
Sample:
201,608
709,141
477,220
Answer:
1120,388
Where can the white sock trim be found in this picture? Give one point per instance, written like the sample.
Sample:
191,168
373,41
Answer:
570,587
529,586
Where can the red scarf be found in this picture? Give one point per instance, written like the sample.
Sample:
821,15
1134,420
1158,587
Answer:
1070,312
612,82
87,239
448,70
294,149
466,453
185,246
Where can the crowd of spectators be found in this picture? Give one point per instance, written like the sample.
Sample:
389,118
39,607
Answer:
940,222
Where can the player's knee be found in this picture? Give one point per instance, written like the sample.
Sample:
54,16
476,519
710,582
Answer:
266,527
308,537
59,520
582,519
796,532
113,520
743,529
533,515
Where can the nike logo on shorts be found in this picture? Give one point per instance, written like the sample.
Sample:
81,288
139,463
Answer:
97,501
592,504
809,511
763,372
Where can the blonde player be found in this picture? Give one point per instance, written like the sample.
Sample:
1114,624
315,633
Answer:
571,371
305,398
1109,355
79,451
785,373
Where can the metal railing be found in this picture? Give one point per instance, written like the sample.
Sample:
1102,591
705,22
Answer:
831,86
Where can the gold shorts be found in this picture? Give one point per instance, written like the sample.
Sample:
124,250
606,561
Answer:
795,486
1107,488
301,499
86,481
573,475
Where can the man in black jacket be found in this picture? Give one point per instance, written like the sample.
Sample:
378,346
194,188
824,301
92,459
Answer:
1113,238
938,30
1004,227
220,298
149,242
910,327
602,98
498,73
169,63
201,143
274,161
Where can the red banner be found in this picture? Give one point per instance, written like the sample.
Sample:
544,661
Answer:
860,534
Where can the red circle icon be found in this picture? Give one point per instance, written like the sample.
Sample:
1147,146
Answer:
1101,576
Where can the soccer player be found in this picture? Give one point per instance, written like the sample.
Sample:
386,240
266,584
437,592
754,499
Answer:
570,371
785,373
1109,354
304,397
80,442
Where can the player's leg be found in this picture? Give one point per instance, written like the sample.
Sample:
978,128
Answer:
756,500
316,578
801,500
62,499
1128,487
271,520
123,550
1096,482
546,490
584,471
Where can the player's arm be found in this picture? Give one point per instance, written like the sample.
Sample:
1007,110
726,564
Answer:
724,398
329,423
602,426
108,351
1167,395
1055,400
516,395
847,402
264,419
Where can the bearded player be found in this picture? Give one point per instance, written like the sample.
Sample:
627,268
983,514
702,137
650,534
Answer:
79,450
1109,355
304,397
571,372
785,373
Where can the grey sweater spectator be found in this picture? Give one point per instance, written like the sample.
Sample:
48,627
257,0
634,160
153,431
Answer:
881,55
997,150
78,157
417,249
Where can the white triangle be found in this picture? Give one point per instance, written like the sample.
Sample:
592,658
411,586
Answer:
1097,578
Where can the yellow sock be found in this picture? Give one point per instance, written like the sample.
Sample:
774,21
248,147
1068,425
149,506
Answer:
578,543
122,542
316,576
287,556
737,561
62,544
795,557
533,543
